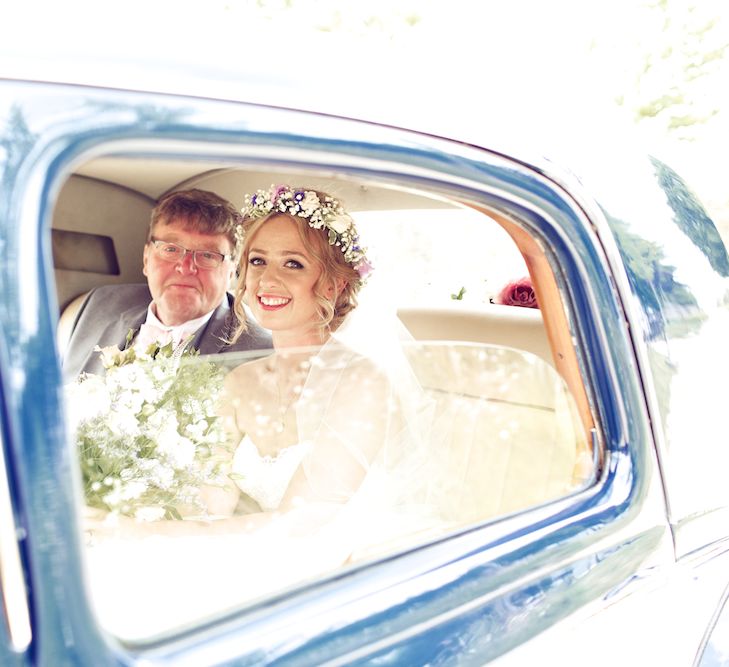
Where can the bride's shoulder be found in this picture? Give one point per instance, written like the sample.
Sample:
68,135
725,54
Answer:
355,370
245,373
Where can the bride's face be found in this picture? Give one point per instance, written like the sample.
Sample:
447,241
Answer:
279,284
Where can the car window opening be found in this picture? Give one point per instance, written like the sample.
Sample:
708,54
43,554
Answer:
495,413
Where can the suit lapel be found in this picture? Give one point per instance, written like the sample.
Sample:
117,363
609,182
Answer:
117,331
211,338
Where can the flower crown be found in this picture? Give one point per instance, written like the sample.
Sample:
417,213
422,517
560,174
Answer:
326,213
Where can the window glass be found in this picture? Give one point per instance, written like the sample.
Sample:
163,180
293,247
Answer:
442,255
214,480
381,460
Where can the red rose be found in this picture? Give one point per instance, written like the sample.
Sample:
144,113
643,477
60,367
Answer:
518,293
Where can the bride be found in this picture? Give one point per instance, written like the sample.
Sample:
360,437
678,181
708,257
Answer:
337,402
308,419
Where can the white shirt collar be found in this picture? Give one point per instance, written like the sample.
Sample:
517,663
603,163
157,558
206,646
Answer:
178,331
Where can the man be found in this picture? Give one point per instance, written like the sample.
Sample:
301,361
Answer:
189,261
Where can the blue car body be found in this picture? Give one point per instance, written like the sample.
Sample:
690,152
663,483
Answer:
633,567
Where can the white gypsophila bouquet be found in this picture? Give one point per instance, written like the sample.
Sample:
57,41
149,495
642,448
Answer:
147,431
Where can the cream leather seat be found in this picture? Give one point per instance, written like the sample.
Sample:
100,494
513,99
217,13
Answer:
67,320
508,432
521,328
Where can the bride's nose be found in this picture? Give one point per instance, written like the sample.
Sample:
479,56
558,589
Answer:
269,275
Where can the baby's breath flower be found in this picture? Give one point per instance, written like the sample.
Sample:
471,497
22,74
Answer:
123,422
197,429
132,490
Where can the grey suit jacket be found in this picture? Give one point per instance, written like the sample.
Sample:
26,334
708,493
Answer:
111,311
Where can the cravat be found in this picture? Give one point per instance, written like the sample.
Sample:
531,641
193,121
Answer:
149,333
153,333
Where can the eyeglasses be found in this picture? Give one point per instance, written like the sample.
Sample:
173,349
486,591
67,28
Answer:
203,259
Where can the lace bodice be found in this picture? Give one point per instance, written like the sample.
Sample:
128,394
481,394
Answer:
265,478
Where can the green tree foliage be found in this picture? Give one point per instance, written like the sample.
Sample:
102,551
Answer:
679,68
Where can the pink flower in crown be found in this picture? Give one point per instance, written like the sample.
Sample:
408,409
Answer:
277,192
518,293
364,268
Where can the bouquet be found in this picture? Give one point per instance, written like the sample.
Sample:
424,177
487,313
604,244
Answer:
146,431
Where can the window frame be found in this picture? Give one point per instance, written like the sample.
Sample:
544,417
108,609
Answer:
471,570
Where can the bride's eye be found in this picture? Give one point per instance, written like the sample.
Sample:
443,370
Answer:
293,264
255,261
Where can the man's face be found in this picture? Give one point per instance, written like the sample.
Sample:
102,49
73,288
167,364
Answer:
180,290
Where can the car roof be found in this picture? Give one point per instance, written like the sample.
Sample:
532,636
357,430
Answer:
576,143
539,122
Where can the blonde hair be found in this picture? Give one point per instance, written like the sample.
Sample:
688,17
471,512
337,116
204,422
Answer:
334,270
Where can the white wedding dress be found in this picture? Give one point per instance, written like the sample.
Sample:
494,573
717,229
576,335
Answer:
419,469
265,478
362,446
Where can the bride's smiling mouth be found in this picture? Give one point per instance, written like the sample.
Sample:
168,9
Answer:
268,302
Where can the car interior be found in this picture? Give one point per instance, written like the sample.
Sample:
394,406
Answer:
505,379
102,214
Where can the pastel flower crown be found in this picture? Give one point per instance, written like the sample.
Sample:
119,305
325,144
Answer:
327,214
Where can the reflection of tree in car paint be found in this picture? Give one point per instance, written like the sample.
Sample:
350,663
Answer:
16,139
691,218
654,280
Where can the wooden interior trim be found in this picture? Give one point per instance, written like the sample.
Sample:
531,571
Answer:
558,331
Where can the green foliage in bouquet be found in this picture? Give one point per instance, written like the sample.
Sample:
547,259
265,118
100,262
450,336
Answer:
147,431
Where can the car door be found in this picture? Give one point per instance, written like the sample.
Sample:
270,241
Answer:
474,592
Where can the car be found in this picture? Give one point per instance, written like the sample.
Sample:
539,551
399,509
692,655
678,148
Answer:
585,451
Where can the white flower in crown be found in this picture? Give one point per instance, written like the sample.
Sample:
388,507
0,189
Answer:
340,223
309,203
328,214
